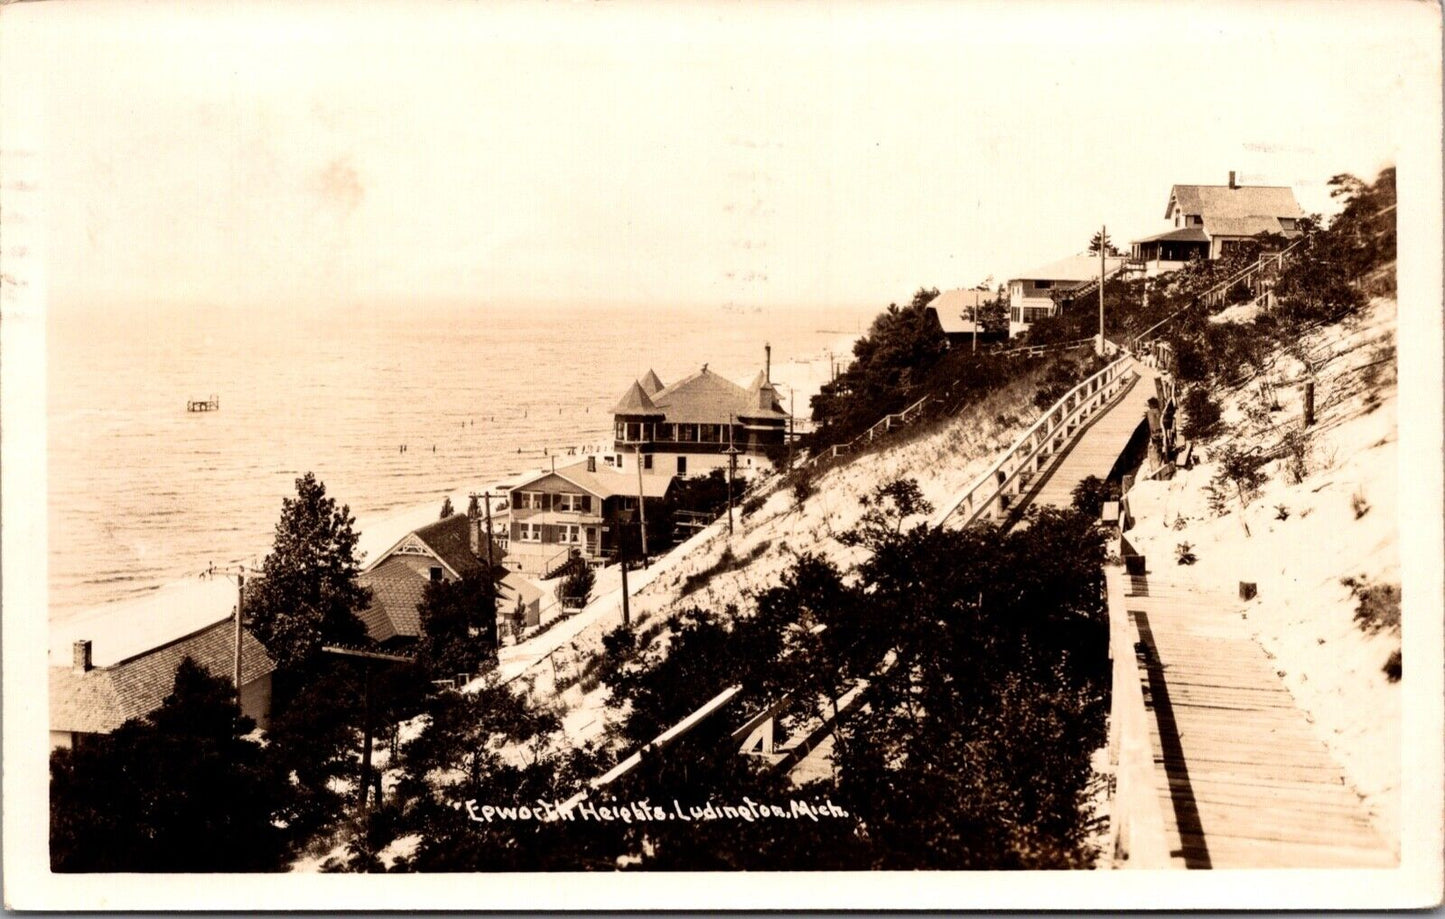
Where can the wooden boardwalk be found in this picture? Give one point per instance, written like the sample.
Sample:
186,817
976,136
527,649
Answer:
1243,780
1097,448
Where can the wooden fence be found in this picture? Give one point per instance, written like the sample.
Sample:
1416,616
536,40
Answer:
884,425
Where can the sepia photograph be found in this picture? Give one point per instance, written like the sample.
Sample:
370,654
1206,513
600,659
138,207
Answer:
564,455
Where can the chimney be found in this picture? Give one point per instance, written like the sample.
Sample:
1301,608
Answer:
592,463
1232,183
768,372
81,656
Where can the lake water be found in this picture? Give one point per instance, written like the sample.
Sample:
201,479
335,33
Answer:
141,492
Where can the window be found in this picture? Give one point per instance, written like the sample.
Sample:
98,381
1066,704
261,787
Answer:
647,461
436,574
708,434
1035,313
569,502
619,431
666,432
1043,285
682,465
533,501
687,433
530,532
1195,220
570,533
1288,223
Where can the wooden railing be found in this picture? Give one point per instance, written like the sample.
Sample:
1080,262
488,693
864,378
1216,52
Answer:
885,424
1013,473
1272,261
1136,824
1035,350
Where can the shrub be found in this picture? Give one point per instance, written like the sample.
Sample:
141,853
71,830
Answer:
1296,457
1201,413
1378,609
1392,667
1184,554
753,505
576,588
1359,504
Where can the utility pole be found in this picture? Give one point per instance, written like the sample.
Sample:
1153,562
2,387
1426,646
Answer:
641,514
622,563
1103,238
491,573
973,311
732,470
240,613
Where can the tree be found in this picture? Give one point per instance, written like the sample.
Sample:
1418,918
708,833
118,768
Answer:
458,625
1102,238
307,595
447,507
180,790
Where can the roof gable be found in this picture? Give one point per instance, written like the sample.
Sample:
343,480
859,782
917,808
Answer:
651,384
450,540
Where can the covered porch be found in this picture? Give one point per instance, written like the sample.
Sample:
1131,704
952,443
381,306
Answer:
1170,251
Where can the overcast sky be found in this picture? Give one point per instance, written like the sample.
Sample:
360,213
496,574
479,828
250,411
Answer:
304,154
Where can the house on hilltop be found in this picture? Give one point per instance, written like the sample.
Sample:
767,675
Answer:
579,508
97,693
1211,220
688,428
1032,296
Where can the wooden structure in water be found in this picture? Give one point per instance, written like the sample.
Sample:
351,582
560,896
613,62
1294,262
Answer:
212,404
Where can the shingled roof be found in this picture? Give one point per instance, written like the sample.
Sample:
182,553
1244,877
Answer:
635,402
707,398
101,699
1240,201
396,592
651,384
605,483
451,540
952,306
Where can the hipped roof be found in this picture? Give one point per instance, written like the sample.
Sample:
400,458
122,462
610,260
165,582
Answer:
636,402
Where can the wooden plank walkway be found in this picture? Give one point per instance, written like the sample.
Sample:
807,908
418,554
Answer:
1243,779
1097,448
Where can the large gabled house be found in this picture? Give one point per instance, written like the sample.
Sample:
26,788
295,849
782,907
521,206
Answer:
579,509
446,550
117,675
687,428
1207,221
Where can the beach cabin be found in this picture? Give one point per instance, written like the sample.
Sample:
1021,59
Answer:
580,509
687,429
108,681
1208,221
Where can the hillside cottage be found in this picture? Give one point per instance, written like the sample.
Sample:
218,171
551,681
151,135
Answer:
1210,220
955,312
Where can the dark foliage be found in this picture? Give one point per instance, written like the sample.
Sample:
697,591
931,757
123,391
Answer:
1201,413
307,595
458,626
182,790
1091,493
